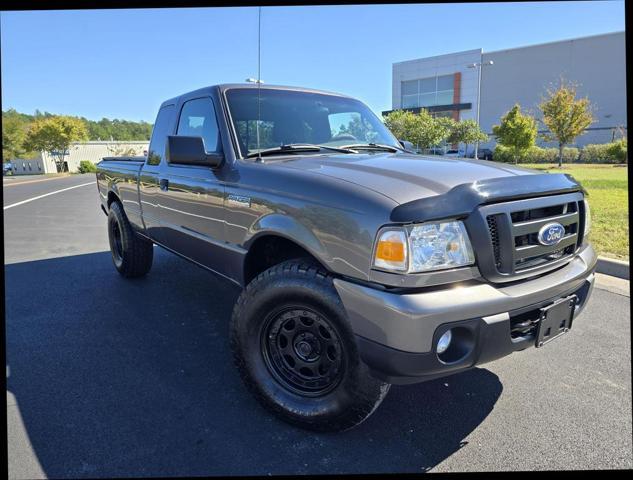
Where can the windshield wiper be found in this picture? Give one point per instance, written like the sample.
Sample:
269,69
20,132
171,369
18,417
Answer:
372,146
298,147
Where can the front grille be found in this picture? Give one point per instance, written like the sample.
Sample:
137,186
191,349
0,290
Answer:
513,229
528,251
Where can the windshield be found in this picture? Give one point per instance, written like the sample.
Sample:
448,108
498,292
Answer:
294,117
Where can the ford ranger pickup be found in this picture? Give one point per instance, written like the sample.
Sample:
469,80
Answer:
361,264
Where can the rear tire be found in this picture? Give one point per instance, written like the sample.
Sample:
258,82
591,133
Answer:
132,255
296,353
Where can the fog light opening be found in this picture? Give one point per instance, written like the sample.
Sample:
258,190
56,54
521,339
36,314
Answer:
455,345
444,342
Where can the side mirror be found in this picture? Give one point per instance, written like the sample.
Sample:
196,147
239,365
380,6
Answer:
183,150
406,145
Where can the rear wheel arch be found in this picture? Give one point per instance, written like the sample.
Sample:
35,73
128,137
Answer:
113,197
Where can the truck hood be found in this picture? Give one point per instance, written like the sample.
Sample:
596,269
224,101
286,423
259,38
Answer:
404,177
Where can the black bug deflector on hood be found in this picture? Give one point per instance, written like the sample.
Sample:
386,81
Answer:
462,199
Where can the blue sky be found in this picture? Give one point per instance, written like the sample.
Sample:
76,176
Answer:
124,63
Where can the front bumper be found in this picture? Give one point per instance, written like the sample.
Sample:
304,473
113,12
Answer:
396,332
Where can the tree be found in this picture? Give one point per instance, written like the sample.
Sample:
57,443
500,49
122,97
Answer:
446,126
516,131
430,131
14,129
421,129
565,116
467,132
402,124
54,135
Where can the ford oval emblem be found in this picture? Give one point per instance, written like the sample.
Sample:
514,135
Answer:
551,234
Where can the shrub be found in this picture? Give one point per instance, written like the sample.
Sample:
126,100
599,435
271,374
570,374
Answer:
615,152
594,153
502,154
535,155
542,155
86,166
570,154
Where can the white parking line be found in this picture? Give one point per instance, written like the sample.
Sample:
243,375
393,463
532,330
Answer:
47,194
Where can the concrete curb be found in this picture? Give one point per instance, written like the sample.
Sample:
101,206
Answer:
615,268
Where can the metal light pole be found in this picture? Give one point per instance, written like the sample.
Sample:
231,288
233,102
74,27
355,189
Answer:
478,66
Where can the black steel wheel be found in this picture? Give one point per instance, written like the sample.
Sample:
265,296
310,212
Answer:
303,351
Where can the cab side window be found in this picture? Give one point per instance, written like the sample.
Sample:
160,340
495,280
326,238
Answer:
159,135
197,119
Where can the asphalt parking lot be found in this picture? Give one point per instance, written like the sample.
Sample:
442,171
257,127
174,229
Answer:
112,377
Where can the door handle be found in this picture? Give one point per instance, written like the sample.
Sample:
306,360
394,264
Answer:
164,184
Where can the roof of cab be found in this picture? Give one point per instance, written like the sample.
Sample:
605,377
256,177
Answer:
226,86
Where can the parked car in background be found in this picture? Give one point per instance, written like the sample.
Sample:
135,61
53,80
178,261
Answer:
454,153
482,154
408,146
437,150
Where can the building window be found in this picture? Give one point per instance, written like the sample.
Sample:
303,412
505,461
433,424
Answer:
428,92
442,113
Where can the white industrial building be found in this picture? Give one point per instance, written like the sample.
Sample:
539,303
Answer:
447,85
93,151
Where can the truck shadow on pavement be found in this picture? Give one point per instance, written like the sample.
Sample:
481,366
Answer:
116,377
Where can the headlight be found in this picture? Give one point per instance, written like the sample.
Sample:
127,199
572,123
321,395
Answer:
424,247
587,218
436,246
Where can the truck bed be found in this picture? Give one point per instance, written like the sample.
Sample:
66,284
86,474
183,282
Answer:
123,159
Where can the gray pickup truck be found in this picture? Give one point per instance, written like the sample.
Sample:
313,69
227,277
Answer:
362,265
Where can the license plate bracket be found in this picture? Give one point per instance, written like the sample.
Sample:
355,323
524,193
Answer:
555,320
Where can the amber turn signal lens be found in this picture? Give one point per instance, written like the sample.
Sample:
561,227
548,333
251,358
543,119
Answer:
390,251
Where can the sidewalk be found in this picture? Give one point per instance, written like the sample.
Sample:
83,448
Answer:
23,179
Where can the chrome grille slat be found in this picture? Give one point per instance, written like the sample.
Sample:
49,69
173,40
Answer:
539,250
533,226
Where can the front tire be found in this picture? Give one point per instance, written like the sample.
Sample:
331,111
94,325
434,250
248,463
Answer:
132,255
295,350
